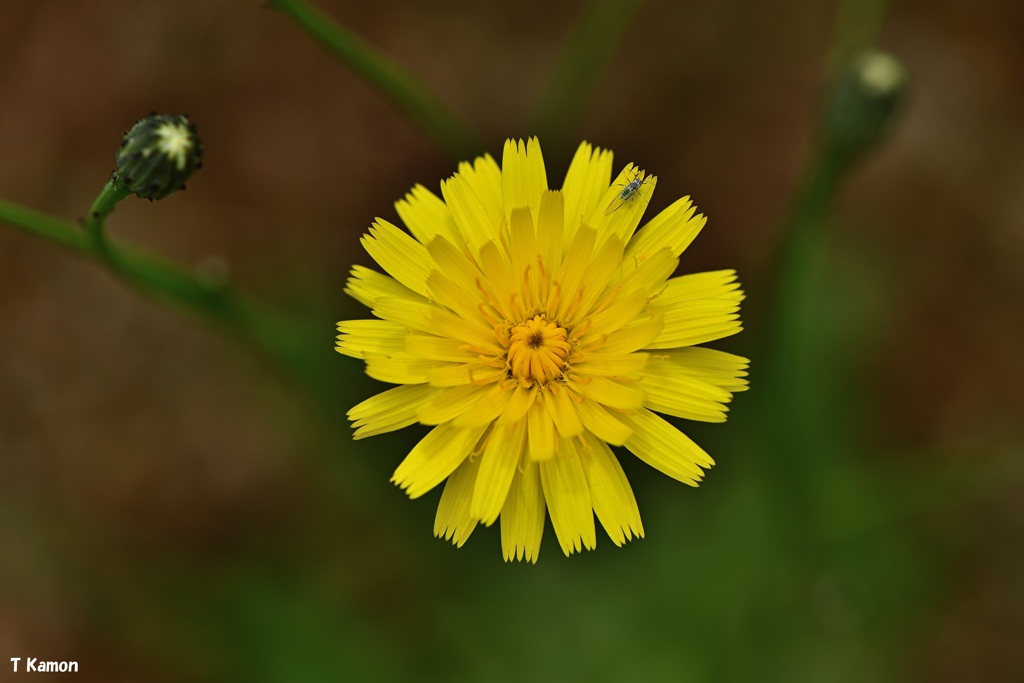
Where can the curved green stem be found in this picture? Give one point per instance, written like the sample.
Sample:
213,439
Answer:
415,99
112,193
275,335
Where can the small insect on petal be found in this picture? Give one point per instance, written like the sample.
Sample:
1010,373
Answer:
628,193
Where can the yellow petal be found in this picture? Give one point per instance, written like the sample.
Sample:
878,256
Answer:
605,260
389,410
454,265
603,424
520,403
472,220
490,405
619,217
568,498
649,274
633,293
359,337
550,227
523,176
522,517
426,215
495,262
612,364
698,308
609,392
400,255
719,368
623,312
643,284
454,374
665,448
634,335
471,332
670,391
585,183
574,269
366,286
540,437
673,229
399,367
695,322
498,464
716,284
562,411
464,303
406,313
453,520
523,257
449,404
484,177
437,348
610,492
434,458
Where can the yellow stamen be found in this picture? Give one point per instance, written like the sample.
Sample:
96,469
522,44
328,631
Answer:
596,344
607,299
555,298
513,301
543,279
582,328
478,382
485,310
527,290
575,306
537,351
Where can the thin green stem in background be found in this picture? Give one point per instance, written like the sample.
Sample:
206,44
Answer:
280,338
855,112
411,96
858,26
45,227
853,117
572,85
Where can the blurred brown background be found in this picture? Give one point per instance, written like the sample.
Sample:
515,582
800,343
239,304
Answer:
136,443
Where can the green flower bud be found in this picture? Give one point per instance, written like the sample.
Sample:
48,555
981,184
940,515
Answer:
862,102
158,155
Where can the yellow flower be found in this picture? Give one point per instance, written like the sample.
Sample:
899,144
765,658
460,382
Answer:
532,328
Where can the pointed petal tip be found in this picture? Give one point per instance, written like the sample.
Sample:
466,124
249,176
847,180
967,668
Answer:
520,554
627,534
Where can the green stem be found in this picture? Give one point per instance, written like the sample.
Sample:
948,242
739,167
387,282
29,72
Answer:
858,25
112,193
800,264
415,99
277,336
853,115
568,93
45,227
296,347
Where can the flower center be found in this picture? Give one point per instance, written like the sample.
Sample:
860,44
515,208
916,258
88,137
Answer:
537,351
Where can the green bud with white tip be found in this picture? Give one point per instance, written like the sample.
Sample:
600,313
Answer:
158,154
862,103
